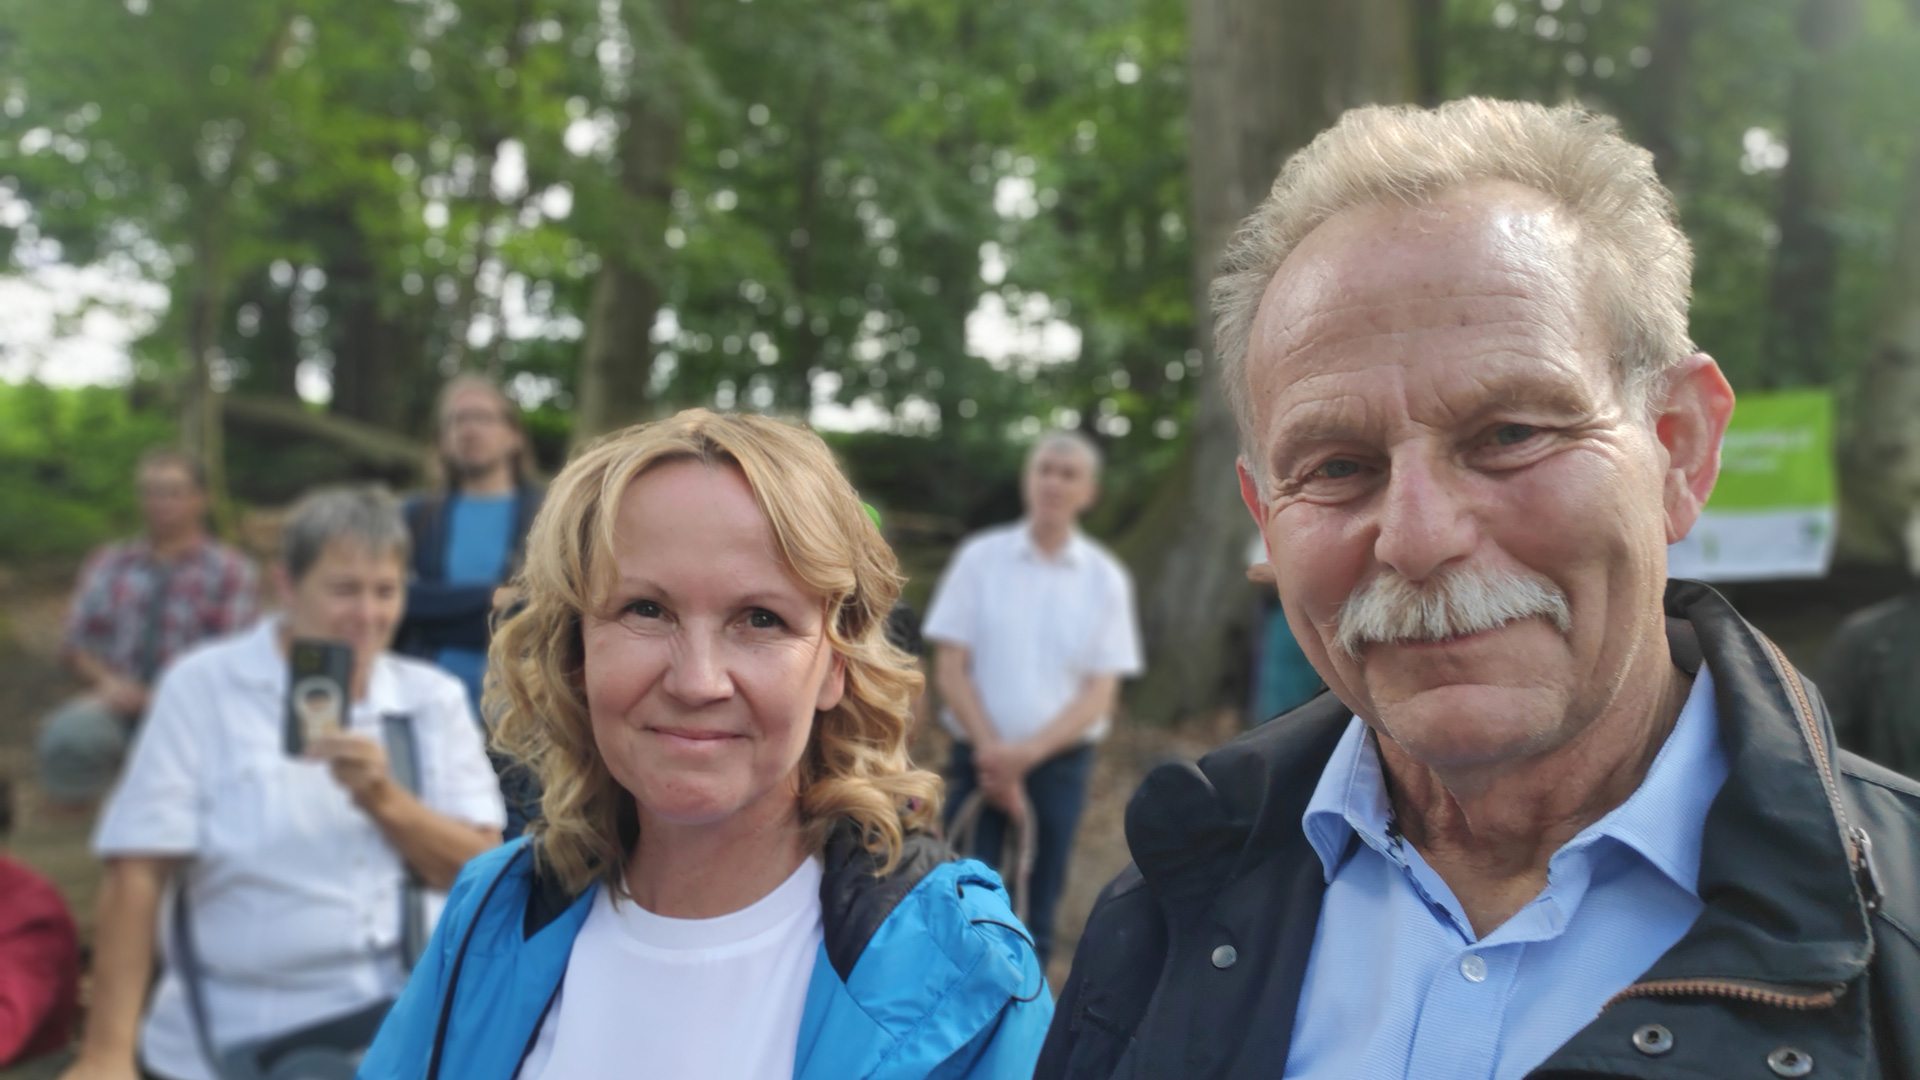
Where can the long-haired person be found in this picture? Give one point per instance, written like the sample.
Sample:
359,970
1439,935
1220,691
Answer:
735,875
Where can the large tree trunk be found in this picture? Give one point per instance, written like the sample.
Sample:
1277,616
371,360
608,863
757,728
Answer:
210,286
1880,483
1265,76
1668,87
1812,193
616,365
373,351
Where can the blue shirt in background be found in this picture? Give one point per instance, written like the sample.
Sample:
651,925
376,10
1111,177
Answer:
1398,984
479,536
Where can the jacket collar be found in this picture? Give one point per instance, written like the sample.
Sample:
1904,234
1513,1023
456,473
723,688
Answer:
855,897
1784,906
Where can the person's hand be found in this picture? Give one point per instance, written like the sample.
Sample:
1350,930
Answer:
1003,768
358,764
505,597
93,1068
122,695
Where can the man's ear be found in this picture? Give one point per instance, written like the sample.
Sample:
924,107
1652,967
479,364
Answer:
1250,493
1260,573
1689,423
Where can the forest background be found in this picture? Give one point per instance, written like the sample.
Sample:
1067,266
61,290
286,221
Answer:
934,227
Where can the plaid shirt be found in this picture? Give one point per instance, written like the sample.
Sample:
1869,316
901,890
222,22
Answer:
137,613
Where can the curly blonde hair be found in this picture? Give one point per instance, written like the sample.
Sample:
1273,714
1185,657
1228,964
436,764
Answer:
855,767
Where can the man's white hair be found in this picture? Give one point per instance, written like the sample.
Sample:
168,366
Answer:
1638,263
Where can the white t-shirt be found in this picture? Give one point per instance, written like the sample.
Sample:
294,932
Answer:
295,893
1035,626
684,999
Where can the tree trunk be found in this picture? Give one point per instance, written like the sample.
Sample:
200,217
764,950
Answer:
1880,483
1797,346
1265,76
616,365
1430,51
373,351
207,296
1669,86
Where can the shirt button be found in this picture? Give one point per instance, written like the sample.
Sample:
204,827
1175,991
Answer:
1225,956
1474,968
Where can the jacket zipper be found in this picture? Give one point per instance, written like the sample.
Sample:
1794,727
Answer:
1866,875
1780,997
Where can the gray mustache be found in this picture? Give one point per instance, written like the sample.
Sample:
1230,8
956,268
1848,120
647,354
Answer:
1390,608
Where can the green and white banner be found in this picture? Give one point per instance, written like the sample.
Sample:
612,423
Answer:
1772,513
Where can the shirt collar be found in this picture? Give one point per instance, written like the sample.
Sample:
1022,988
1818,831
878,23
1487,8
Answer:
1070,553
1663,820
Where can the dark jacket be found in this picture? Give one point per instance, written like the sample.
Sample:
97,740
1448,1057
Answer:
439,615
1871,681
924,973
1803,945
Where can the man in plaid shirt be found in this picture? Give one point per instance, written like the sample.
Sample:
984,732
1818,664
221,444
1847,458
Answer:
140,604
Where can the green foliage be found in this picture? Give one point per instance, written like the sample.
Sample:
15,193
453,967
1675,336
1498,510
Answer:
67,459
854,177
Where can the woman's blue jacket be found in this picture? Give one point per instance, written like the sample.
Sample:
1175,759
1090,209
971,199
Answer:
924,973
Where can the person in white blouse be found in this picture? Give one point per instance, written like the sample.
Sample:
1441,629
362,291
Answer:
734,876
293,869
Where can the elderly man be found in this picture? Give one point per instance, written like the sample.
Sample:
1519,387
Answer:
294,871
1557,816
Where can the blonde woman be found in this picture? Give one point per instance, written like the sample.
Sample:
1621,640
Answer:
735,876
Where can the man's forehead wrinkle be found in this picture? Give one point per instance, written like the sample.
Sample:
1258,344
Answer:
1312,331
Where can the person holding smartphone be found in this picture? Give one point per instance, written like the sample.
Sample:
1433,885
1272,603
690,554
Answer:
292,868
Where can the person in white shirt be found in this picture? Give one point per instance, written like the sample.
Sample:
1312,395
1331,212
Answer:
1035,628
293,868
735,875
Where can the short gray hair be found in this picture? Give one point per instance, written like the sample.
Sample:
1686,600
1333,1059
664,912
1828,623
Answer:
1070,440
366,513
1639,264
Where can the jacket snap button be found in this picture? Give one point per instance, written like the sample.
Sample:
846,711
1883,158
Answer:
1787,1061
1225,955
1652,1040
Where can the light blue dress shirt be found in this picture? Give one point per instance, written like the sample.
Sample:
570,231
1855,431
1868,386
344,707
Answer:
1398,986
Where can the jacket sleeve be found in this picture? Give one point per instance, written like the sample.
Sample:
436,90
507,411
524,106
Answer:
404,1046
1116,968
1006,1049
449,615
39,966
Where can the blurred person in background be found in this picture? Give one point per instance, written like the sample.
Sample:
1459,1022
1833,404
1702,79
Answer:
138,605
1871,676
1558,816
735,876
468,539
294,870
39,958
1034,628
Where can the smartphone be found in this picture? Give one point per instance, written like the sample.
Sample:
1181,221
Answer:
318,676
